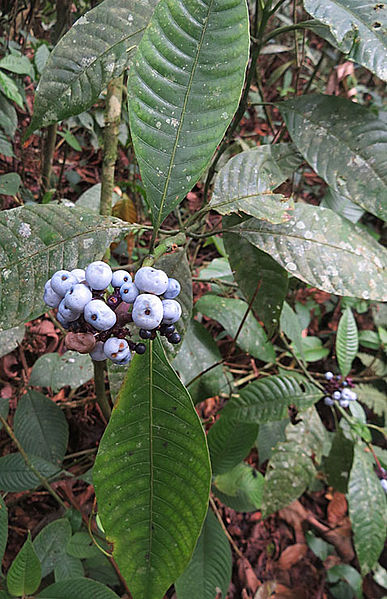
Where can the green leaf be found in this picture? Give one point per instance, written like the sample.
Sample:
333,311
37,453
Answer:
373,398
81,545
367,509
50,544
374,366
268,399
41,427
156,433
184,87
71,140
116,375
241,488
210,567
250,266
55,371
10,339
68,567
9,184
230,313
6,148
36,241
41,56
311,434
269,434
323,249
337,465
8,116
345,143
10,89
17,64
290,324
313,349
359,29
24,575
98,47
246,184
341,205
229,442
347,341
15,476
370,339
99,568
199,353
81,588
380,576
3,527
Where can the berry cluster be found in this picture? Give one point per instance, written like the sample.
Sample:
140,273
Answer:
95,305
338,390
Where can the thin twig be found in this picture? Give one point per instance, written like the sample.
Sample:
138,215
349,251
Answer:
220,520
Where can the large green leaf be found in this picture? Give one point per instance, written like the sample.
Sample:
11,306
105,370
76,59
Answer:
10,339
359,28
324,250
210,567
25,573
81,588
97,48
229,442
268,399
3,527
373,398
346,145
152,476
15,476
50,544
251,267
37,240
41,427
184,87
342,206
68,567
230,313
367,509
55,371
240,488
347,341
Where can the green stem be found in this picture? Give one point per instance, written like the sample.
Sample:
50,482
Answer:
165,246
100,390
300,363
285,29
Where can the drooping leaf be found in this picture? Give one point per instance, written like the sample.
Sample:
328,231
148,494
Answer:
268,399
81,588
337,465
291,326
9,184
55,371
24,574
155,432
97,48
199,353
367,509
324,250
359,29
345,143
10,339
10,89
347,341
269,434
15,476
3,527
184,87
229,442
247,183
50,544
36,241
81,545
230,313
20,65
210,567
251,267
240,488
41,427
342,206
40,57
68,567
373,398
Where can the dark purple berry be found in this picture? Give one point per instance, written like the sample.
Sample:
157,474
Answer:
167,329
113,301
174,338
140,348
145,334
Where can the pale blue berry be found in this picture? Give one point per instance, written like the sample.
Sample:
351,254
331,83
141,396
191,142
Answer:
151,280
383,482
62,281
98,275
328,401
99,315
128,292
77,297
67,313
173,289
336,395
98,354
80,274
51,298
116,348
171,311
61,319
123,361
344,403
120,277
147,311
329,376
348,394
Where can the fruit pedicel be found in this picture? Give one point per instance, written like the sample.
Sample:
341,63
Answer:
95,304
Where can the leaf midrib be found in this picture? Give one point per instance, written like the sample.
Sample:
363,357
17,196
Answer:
150,543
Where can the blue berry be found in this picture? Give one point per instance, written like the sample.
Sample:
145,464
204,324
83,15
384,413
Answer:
329,401
147,311
336,395
79,274
173,289
145,334
329,376
383,482
115,348
174,338
99,315
51,298
128,292
98,354
120,277
62,320
62,281
124,360
151,280
68,314
98,275
77,297
140,348
349,395
171,311
344,384
344,403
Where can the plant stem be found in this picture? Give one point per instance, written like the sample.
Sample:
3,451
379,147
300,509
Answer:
165,246
48,156
100,390
29,464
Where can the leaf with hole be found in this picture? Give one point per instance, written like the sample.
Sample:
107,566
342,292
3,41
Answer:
184,87
229,442
50,544
36,241
98,47
55,371
81,588
347,341
324,250
16,476
24,574
210,567
240,488
152,455
345,144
